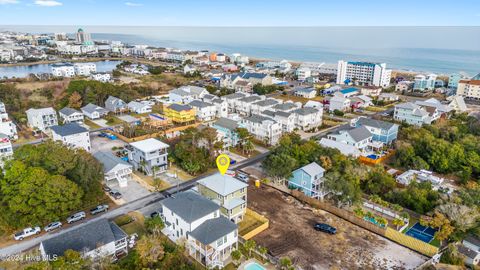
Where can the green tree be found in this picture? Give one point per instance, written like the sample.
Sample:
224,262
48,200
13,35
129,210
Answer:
345,188
150,250
154,225
236,256
279,167
249,245
286,263
451,256
32,196
398,222
71,260
378,182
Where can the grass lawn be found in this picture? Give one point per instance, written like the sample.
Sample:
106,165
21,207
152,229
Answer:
131,223
435,242
113,120
230,266
239,152
376,109
91,124
181,174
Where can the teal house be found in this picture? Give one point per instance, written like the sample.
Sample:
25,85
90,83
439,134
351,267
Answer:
309,179
227,131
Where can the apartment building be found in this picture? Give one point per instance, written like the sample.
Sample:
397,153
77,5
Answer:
424,83
469,89
363,73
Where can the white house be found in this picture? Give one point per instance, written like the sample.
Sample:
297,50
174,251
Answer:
115,104
101,76
94,240
6,149
306,92
63,70
84,69
285,119
457,103
204,111
233,100
138,107
149,156
221,107
42,119
337,102
69,115
388,97
186,94
303,73
243,106
114,169
308,118
373,91
345,149
287,106
210,237
263,128
7,127
72,135
419,176
262,105
359,137
93,111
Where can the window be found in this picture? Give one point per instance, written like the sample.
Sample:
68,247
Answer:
176,221
181,232
220,242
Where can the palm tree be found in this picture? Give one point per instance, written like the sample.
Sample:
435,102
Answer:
249,245
398,222
236,256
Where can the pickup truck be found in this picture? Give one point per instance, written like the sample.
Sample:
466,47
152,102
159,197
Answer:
19,236
99,209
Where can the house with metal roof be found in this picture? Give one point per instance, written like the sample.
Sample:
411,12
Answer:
115,104
69,115
349,92
149,156
96,239
93,111
228,192
210,237
309,180
114,169
385,132
72,135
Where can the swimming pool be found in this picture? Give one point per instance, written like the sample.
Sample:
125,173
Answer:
254,266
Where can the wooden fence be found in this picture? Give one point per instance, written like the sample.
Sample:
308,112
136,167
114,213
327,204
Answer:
398,237
256,229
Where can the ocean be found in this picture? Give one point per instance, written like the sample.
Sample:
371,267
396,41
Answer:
441,50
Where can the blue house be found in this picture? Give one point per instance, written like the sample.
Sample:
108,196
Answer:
349,92
226,128
309,180
382,131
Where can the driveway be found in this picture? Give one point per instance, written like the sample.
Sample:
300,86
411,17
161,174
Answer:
132,192
104,144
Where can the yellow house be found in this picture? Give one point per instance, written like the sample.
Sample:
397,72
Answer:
180,114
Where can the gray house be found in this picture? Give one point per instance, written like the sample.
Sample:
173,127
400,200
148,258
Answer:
94,240
115,104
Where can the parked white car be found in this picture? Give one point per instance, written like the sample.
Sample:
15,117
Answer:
52,226
19,236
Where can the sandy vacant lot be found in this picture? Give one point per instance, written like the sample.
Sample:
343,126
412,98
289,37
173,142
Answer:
291,234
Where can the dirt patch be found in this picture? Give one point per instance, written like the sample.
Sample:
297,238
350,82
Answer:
291,234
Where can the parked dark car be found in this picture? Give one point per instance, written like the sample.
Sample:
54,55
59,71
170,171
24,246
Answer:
106,188
115,194
325,228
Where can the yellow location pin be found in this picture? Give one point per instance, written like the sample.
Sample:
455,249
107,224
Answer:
223,162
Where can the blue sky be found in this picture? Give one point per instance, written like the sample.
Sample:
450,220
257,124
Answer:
241,13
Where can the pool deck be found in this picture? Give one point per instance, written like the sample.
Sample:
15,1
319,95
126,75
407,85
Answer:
245,263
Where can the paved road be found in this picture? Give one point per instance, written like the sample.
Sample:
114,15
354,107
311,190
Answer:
32,242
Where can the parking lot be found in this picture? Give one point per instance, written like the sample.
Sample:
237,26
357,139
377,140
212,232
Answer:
104,144
291,234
